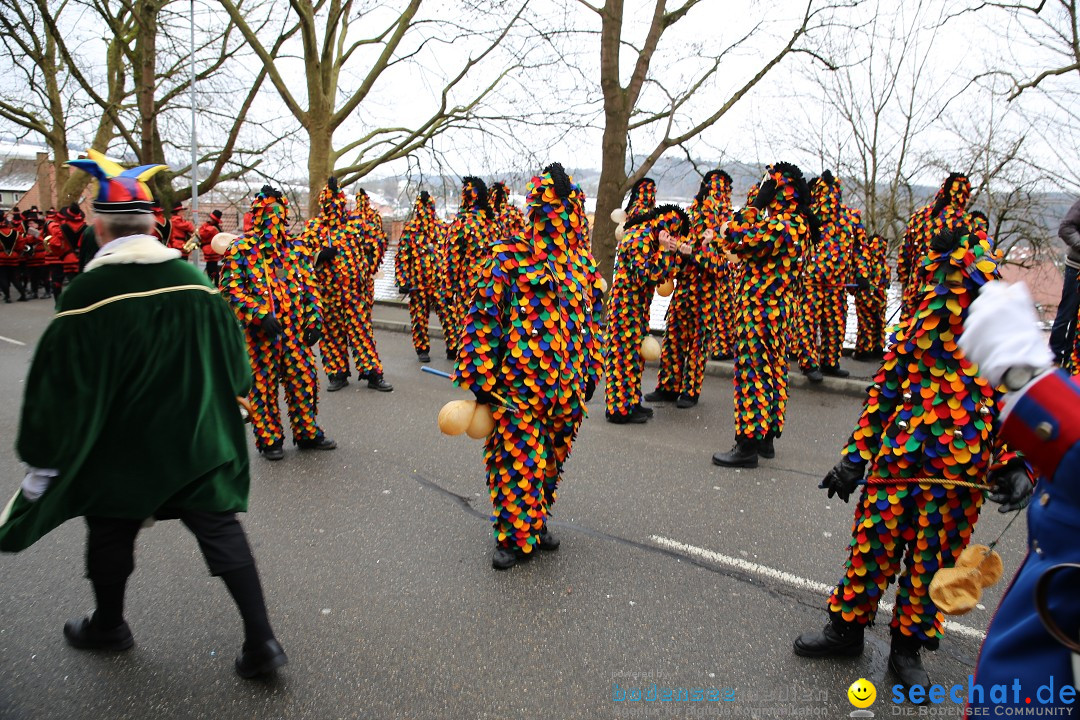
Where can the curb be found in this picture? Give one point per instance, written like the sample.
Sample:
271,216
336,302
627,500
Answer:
845,386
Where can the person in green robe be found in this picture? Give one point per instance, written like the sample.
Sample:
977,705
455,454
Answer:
142,366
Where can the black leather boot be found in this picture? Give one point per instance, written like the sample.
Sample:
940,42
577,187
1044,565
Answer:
765,449
262,659
835,371
659,395
546,540
273,452
423,356
507,557
337,381
321,442
744,454
906,663
686,401
837,639
84,635
631,418
813,375
376,382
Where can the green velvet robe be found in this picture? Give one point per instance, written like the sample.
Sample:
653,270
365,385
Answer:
132,397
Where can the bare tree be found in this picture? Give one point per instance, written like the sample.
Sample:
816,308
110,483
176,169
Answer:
332,48
666,116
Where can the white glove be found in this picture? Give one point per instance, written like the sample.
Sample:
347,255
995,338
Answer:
1002,331
37,482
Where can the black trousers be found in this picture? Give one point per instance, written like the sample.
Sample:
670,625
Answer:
110,544
9,275
213,270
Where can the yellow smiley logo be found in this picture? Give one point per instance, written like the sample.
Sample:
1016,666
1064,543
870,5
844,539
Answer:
862,693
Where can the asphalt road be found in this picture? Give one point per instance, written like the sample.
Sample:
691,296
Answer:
376,563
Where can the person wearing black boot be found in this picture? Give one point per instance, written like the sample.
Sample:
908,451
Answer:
139,317
766,236
925,470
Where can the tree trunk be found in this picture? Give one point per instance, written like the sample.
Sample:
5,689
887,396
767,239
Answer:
609,193
146,51
320,166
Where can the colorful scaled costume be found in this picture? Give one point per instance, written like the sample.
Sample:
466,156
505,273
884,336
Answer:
928,431
696,308
267,278
947,210
468,243
642,197
369,247
510,220
416,271
640,264
826,268
767,235
530,350
871,290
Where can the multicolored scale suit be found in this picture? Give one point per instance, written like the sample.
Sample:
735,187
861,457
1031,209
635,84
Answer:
768,245
268,273
531,340
827,266
640,264
510,220
416,268
468,243
947,210
337,279
927,415
870,302
696,309
642,197
369,249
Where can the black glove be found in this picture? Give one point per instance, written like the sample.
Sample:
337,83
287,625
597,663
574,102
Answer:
766,194
270,326
1011,487
862,283
843,479
402,290
590,388
312,335
483,397
326,255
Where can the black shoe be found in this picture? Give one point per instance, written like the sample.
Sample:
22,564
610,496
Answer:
766,450
337,381
659,395
319,443
546,540
505,558
23,298
644,410
273,452
376,382
846,641
450,354
84,635
905,662
7,299
631,418
423,357
835,371
263,659
813,375
744,454
686,401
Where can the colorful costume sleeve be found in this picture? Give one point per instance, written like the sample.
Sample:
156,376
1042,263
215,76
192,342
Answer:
239,283
643,259
405,262
480,358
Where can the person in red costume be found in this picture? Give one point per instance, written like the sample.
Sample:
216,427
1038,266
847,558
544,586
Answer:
180,235
207,231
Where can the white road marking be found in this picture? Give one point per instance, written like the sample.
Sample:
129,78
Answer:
13,342
788,579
